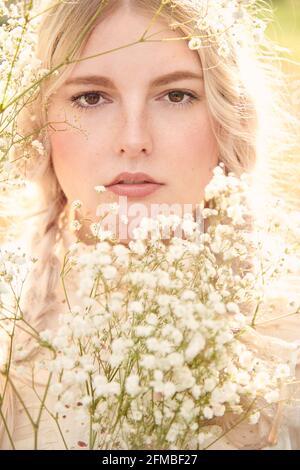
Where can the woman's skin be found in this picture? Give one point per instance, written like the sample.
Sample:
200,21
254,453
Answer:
134,126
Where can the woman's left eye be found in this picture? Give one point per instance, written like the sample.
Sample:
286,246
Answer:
178,94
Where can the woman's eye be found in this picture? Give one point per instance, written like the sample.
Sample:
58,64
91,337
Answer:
87,100
177,97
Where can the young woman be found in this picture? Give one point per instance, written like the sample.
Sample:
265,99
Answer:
141,109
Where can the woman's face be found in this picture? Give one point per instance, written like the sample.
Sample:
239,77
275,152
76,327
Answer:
136,119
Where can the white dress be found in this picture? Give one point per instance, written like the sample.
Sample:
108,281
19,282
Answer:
282,336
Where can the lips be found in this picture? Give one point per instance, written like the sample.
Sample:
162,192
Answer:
134,185
133,178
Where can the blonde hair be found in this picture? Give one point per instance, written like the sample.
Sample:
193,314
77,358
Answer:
237,109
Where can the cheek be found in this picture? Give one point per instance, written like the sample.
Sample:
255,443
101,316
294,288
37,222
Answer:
196,148
70,152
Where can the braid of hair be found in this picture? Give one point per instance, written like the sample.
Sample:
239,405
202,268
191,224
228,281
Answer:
39,297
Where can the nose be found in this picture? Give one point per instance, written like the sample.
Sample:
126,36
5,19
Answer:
133,136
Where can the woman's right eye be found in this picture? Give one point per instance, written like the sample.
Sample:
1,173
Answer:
87,100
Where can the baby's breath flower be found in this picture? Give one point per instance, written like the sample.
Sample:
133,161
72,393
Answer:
208,412
77,204
233,308
100,189
75,225
282,371
196,345
194,43
272,396
132,385
254,418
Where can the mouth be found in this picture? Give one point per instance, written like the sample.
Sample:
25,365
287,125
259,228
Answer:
134,185
134,189
133,178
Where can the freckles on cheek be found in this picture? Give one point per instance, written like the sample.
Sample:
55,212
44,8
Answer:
62,144
68,160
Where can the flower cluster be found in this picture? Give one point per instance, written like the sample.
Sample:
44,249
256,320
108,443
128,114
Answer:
21,73
15,266
225,23
151,348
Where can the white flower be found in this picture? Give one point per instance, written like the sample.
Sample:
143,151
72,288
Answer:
46,335
60,342
246,359
173,432
77,204
109,272
158,417
137,247
188,295
219,410
183,378
132,385
272,396
75,225
86,400
220,308
135,307
68,397
120,345
174,334
254,417
282,371
120,250
174,253
208,412
81,376
236,214
194,43
59,408
151,319
209,384
168,389
56,388
100,189
196,345
187,410
104,388
161,346
233,308
148,361
143,330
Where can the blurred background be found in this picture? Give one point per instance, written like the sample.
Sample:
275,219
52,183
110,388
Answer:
285,31
286,26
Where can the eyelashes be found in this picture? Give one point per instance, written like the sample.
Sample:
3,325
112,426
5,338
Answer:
77,100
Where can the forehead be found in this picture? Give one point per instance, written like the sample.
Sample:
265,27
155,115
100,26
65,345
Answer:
145,58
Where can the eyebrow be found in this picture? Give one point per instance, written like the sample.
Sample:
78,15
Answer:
159,81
